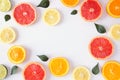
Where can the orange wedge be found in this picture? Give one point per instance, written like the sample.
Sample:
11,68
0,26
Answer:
70,3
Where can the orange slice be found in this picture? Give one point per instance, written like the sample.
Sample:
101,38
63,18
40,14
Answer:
113,8
59,66
7,35
16,54
111,70
70,3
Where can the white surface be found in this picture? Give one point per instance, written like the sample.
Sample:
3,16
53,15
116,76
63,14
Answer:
70,39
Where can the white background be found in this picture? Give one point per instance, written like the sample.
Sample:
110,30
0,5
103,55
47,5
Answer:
70,39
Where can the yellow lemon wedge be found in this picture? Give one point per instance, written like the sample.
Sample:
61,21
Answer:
51,16
3,72
5,5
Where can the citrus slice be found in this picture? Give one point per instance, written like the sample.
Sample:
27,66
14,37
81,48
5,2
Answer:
59,66
101,48
115,32
51,17
16,54
34,71
90,10
24,14
3,72
113,8
81,73
7,35
70,3
5,5
111,70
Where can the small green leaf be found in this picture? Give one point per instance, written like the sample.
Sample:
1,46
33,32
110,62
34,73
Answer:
95,69
74,12
14,70
7,17
44,3
43,57
100,28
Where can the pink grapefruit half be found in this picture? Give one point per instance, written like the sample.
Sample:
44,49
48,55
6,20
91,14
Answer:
101,48
34,71
24,14
90,10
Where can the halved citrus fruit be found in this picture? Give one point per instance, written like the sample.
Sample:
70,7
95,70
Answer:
34,71
7,35
101,47
16,54
59,66
70,3
3,71
81,73
51,17
111,70
115,31
24,14
5,5
90,10
113,8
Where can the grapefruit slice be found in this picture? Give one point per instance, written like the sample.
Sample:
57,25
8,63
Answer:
81,73
5,5
16,54
101,48
3,71
51,17
7,35
111,70
115,31
70,3
34,71
90,10
59,66
24,14
113,8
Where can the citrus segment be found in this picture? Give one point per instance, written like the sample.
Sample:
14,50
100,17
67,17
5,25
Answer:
81,73
3,72
70,3
101,48
16,54
59,66
90,10
113,8
115,32
111,70
34,71
5,5
7,35
51,17
24,14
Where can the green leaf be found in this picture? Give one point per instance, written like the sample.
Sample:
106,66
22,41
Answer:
95,69
43,57
74,12
7,17
44,3
14,70
100,28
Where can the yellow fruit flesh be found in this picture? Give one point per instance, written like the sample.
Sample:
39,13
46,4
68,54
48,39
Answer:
5,5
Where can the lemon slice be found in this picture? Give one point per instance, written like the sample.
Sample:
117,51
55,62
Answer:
3,72
7,35
81,73
115,32
16,54
5,5
51,17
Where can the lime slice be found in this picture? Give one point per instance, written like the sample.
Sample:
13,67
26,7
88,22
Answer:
7,35
3,72
115,32
81,73
51,17
5,5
